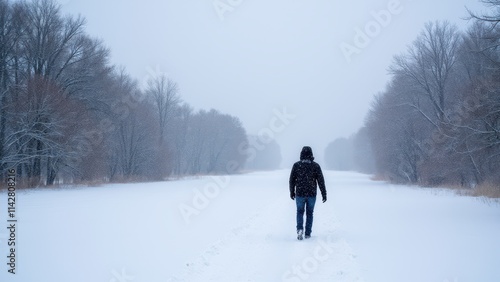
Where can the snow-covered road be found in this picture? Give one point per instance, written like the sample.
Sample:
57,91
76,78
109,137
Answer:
242,228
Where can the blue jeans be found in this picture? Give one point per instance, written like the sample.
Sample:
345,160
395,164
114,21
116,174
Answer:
305,204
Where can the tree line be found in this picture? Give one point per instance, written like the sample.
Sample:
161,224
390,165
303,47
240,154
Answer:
67,115
438,120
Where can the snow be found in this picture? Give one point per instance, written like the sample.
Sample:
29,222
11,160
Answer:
242,228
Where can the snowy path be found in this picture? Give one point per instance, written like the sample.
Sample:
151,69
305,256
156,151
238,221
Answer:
264,248
242,229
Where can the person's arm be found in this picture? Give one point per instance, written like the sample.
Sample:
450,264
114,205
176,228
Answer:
292,182
321,182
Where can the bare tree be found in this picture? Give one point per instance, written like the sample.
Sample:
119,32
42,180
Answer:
493,18
397,132
213,142
165,95
438,122
67,115
50,56
179,139
429,64
10,34
44,134
475,128
135,145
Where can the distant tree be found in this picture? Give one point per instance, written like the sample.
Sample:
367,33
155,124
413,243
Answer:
179,137
164,93
339,155
351,154
266,158
363,152
135,146
133,142
213,140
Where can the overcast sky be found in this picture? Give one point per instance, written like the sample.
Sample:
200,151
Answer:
268,61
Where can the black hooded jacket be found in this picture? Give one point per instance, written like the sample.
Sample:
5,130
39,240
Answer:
305,175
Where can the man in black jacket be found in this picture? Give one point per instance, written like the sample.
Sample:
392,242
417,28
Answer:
306,175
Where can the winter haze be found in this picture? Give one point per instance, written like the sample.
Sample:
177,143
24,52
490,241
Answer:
254,59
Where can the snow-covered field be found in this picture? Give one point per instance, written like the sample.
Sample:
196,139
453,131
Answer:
242,228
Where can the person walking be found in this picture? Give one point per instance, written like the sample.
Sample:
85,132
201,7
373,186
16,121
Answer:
305,177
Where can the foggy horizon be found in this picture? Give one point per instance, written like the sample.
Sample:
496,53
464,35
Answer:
321,63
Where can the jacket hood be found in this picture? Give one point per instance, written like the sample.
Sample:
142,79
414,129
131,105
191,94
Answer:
306,154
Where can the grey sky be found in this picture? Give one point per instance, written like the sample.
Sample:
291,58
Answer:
261,57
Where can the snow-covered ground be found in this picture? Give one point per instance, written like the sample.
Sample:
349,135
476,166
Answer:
242,228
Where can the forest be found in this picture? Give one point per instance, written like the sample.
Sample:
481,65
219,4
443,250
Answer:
67,115
438,121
